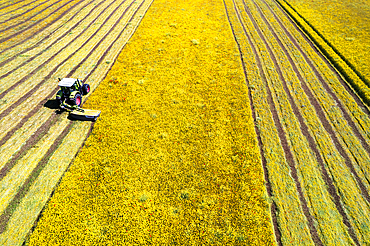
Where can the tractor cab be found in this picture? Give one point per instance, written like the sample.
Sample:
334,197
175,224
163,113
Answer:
71,91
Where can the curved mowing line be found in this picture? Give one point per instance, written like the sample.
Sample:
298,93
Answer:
24,97
49,24
21,22
37,22
282,135
20,14
351,91
320,113
53,56
42,40
303,125
11,4
326,86
18,7
6,215
264,162
288,154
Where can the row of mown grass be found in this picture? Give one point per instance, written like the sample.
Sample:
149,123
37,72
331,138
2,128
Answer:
173,157
339,56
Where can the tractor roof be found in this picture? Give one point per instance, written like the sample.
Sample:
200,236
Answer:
67,82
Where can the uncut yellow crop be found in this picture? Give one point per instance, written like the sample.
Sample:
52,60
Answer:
173,157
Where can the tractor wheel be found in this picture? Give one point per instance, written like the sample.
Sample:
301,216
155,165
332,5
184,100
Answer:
77,99
86,88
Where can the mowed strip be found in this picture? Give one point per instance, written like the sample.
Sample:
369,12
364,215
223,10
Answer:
323,143
38,122
173,157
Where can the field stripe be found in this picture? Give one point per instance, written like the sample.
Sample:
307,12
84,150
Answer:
282,132
9,123
36,28
28,70
273,206
354,146
287,222
14,24
342,181
305,130
10,16
24,226
21,55
22,26
4,6
52,27
37,81
108,46
345,92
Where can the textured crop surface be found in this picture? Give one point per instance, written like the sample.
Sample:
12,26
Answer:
313,130
222,124
173,159
41,41
344,24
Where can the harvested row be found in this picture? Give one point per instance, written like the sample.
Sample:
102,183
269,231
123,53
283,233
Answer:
316,145
14,36
174,158
28,124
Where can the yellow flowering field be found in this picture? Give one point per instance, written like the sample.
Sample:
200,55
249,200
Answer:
173,158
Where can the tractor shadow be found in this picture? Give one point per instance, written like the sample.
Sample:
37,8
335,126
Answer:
53,104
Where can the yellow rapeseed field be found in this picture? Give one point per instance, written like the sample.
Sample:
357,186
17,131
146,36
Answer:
173,158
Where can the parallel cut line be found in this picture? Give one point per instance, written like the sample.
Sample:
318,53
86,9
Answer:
22,80
49,24
340,105
321,117
345,85
14,3
27,10
52,71
70,74
273,207
282,135
42,40
303,125
28,18
6,215
37,22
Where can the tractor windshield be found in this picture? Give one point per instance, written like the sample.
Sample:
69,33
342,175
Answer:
66,90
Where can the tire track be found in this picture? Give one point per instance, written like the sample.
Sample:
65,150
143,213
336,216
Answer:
304,128
37,22
22,80
273,207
